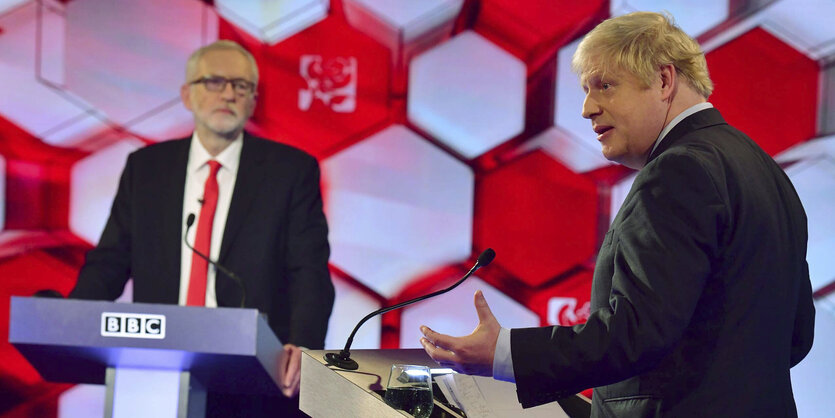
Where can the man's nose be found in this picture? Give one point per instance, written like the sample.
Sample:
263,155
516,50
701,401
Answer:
228,91
590,107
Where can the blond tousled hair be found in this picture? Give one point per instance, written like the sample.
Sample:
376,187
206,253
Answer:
641,43
191,64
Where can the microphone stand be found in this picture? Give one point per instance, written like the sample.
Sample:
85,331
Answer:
343,359
224,270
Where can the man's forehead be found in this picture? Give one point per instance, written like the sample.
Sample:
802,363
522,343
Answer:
223,61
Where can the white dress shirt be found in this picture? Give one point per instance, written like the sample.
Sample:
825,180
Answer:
502,357
196,174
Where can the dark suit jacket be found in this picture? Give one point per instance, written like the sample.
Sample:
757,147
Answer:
275,237
701,300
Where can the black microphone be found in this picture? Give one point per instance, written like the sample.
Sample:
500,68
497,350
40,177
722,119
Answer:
343,359
224,270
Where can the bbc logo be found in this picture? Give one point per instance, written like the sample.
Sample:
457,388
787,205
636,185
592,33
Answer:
130,325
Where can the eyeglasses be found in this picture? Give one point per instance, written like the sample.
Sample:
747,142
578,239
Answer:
217,84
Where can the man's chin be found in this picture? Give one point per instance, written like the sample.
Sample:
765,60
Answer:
227,131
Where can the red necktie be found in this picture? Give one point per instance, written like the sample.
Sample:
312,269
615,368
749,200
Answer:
203,240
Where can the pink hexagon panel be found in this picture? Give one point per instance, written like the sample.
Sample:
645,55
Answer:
398,208
318,94
540,216
94,183
125,60
49,113
467,93
350,306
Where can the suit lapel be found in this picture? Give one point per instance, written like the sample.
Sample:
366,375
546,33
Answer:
698,120
171,195
250,174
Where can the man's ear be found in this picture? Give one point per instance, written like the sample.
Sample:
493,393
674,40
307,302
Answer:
185,96
669,81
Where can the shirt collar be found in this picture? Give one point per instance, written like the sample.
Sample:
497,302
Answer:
229,158
687,112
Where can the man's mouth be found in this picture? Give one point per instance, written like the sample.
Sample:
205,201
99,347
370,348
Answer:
601,130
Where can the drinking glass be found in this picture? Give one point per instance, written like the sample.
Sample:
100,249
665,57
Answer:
409,389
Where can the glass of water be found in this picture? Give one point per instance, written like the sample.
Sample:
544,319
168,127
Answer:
409,389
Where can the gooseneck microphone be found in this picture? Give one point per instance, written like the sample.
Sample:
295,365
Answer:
224,270
343,359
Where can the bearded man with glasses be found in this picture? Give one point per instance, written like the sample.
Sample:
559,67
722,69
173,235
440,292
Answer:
259,213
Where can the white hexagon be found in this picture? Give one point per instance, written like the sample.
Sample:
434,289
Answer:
273,20
55,116
398,23
82,401
814,180
454,314
574,143
803,24
566,149
93,184
126,59
806,25
809,149
7,5
468,93
812,378
349,307
397,207
694,20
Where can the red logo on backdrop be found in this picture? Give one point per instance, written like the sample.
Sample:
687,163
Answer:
564,311
332,81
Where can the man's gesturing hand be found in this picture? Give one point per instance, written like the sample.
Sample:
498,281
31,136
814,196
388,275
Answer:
472,354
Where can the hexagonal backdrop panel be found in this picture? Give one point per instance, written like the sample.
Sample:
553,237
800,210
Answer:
350,306
468,93
693,20
385,199
442,127
758,106
453,313
95,180
814,181
540,216
125,60
272,21
318,94
532,33
50,113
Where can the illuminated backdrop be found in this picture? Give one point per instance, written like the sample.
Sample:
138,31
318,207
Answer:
443,127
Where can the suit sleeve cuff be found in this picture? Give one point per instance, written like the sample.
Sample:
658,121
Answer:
502,360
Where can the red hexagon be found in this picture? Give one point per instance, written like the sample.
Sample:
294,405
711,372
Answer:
23,275
566,302
766,89
535,30
538,215
322,89
37,180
